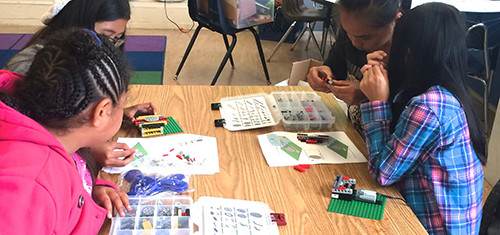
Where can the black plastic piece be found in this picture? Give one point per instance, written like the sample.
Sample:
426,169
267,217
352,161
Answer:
219,122
215,106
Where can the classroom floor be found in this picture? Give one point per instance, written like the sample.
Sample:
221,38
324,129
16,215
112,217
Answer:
208,51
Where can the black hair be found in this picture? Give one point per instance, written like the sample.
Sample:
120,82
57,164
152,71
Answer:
73,71
428,49
377,12
83,13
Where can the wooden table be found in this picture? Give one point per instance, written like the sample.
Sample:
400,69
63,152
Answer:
244,173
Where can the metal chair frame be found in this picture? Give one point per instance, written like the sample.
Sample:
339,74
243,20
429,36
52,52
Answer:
486,80
216,21
309,27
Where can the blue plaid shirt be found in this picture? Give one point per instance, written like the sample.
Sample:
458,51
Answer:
429,158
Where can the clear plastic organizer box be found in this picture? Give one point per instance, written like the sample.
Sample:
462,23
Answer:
297,111
168,215
247,13
303,111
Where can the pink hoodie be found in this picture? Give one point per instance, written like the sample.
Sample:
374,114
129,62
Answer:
41,191
8,81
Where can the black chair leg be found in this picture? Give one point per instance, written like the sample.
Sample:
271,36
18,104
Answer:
224,61
188,49
324,37
261,54
227,47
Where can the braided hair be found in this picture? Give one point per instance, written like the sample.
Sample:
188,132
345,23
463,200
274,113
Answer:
75,70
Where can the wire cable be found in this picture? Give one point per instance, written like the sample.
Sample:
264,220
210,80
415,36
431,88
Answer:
395,198
171,21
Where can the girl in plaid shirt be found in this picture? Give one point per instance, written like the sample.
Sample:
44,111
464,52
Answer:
421,130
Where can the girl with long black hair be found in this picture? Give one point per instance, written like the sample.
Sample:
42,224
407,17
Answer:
108,17
421,130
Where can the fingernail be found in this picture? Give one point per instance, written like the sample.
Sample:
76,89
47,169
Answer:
129,208
109,215
122,214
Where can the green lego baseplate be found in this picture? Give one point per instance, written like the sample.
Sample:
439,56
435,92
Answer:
359,209
172,127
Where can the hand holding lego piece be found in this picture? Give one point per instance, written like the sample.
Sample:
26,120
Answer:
107,156
138,110
151,125
325,78
318,78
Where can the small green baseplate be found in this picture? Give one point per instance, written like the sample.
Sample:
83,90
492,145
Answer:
172,127
359,209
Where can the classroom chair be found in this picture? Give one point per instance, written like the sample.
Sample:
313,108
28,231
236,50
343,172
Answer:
213,18
481,61
296,11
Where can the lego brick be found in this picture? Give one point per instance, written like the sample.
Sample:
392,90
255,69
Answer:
299,168
156,125
359,209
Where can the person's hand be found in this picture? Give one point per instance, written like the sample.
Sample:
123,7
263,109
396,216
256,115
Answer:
314,78
139,109
374,59
348,91
106,155
375,83
108,197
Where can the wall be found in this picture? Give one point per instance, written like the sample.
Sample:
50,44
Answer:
146,14
491,170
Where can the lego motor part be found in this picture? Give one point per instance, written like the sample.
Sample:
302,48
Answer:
344,188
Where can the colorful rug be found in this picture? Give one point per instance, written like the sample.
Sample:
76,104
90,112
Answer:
146,55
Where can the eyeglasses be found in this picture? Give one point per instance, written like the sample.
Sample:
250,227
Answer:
117,41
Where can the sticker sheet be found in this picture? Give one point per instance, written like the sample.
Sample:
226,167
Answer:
246,113
285,149
183,153
230,216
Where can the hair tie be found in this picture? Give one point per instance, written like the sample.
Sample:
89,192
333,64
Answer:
95,35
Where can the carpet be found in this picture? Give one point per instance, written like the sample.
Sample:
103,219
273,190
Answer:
146,55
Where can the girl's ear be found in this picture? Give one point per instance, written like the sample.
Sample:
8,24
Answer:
398,16
101,112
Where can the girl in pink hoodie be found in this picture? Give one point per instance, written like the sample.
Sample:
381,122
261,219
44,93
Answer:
71,98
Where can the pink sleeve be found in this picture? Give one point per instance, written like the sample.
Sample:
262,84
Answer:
105,183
